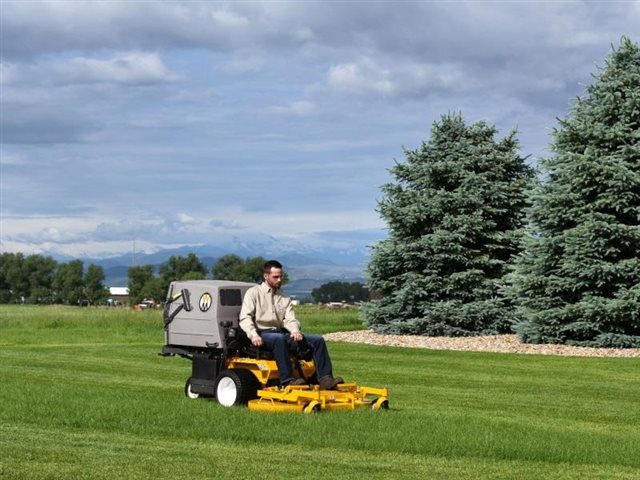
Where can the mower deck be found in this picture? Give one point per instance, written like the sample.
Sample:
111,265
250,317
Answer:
310,399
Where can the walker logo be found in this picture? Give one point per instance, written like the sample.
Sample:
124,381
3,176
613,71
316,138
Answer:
205,302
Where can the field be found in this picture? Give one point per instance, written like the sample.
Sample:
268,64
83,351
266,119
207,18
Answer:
85,395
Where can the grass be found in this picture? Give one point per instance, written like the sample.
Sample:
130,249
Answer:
84,395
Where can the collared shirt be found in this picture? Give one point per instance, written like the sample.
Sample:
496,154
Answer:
264,308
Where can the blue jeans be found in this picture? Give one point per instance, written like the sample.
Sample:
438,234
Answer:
280,344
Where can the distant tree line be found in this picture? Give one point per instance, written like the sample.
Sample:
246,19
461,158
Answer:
38,279
145,284
336,291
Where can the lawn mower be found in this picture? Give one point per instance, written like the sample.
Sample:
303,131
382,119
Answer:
201,324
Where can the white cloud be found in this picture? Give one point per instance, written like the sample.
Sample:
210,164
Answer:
244,63
397,77
187,219
8,159
8,73
107,235
45,229
229,19
300,108
131,68
364,76
225,224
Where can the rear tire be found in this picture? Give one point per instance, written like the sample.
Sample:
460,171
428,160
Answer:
236,387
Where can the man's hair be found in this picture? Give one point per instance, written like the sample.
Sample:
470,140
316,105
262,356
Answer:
266,268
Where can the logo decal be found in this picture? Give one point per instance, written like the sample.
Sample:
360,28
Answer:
205,302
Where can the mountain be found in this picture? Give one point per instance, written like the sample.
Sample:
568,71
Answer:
307,270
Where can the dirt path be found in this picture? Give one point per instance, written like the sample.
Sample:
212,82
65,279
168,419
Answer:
491,343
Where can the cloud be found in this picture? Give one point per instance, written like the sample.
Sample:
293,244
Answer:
229,20
52,235
8,159
185,219
224,224
130,68
67,100
33,28
263,116
362,77
299,108
40,126
367,76
8,73
244,63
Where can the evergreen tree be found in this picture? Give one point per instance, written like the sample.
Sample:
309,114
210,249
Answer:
337,291
454,213
578,281
232,267
94,288
228,267
178,267
156,290
67,282
39,271
26,279
13,278
139,277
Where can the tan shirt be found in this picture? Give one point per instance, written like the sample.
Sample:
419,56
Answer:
266,309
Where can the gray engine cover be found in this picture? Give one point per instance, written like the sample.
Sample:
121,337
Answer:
212,301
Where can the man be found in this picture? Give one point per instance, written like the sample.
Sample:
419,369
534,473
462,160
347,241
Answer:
268,319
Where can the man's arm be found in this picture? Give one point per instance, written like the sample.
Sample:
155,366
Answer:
291,323
247,314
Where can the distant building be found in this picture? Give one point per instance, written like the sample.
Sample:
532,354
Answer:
118,296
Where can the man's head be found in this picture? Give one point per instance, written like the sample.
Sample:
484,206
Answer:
272,273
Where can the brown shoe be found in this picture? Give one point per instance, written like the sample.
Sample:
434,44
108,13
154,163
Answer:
329,383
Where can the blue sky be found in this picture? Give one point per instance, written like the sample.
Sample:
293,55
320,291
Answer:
173,123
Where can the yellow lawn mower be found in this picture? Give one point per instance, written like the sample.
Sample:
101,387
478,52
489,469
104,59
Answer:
201,324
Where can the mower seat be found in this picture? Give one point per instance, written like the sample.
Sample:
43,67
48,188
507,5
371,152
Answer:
299,351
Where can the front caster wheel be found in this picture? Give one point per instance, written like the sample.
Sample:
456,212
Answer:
188,392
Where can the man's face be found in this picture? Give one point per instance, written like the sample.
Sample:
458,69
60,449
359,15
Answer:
274,277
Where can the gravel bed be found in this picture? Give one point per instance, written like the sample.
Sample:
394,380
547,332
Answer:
489,343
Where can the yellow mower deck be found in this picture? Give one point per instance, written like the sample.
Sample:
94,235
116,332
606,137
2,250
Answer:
310,399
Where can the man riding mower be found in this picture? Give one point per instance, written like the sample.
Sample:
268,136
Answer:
268,319
201,322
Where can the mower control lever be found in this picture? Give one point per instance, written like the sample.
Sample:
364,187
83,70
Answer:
186,299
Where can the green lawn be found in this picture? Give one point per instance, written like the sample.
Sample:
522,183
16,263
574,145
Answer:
85,395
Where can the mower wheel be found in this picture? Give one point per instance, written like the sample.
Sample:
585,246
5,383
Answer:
312,407
188,392
381,404
236,387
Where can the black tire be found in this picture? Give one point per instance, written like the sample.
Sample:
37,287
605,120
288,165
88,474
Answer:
236,387
188,392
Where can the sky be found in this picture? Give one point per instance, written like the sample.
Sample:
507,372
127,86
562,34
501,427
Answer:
190,123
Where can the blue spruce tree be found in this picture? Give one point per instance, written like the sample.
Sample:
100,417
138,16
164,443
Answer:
455,213
578,281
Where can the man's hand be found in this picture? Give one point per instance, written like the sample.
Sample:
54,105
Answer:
296,336
257,341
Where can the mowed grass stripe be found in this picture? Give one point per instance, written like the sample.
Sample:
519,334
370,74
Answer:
467,423
453,414
112,454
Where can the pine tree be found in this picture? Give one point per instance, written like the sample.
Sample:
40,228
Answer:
455,215
578,281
